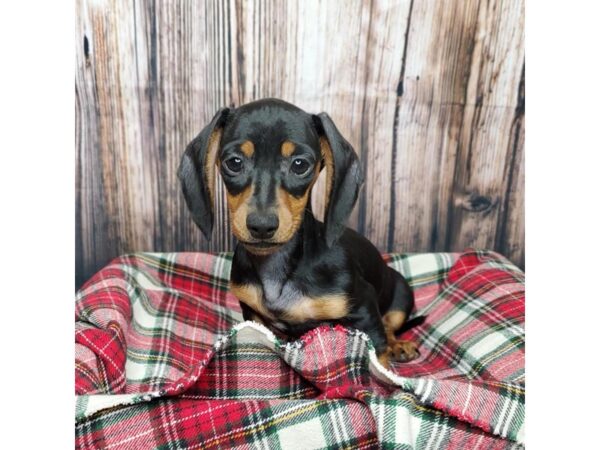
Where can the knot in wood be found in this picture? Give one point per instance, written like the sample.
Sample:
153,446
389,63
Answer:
474,202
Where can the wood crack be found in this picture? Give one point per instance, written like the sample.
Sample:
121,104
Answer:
399,94
364,151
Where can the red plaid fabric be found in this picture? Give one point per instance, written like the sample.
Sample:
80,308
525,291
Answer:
162,360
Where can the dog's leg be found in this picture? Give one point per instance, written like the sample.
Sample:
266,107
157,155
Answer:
368,319
381,331
398,349
394,318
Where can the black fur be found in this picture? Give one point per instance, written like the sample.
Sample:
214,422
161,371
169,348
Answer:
193,176
322,258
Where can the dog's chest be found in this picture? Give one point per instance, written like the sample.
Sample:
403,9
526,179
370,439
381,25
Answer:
292,310
279,289
278,296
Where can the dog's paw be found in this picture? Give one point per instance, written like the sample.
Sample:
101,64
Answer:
403,351
398,351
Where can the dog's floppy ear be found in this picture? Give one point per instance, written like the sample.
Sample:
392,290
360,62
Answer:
344,176
197,172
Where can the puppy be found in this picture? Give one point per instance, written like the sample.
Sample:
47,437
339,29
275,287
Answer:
290,271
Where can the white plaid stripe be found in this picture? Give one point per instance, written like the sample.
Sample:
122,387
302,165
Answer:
391,418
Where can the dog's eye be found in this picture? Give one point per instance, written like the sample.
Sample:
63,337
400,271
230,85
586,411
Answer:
300,166
235,164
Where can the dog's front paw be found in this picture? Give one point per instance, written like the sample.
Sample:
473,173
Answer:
398,351
403,351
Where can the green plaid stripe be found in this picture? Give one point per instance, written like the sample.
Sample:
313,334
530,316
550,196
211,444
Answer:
294,380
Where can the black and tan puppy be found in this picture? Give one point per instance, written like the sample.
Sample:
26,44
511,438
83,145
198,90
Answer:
290,271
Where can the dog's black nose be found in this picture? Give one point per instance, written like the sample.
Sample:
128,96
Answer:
262,226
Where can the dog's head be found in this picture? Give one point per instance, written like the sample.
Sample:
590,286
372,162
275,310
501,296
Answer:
269,154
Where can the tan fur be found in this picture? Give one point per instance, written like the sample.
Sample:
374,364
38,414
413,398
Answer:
393,321
252,296
211,160
247,148
329,167
290,210
326,307
397,349
262,251
287,148
238,212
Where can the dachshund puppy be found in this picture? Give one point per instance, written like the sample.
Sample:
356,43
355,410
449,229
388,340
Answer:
290,271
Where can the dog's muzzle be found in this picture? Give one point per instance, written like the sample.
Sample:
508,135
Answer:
262,226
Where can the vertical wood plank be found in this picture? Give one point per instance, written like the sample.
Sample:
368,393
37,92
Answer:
510,237
191,85
485,151
429,119
386,41
93,246
461,88
429,93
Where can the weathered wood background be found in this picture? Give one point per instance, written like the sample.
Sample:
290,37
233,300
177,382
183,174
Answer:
430,93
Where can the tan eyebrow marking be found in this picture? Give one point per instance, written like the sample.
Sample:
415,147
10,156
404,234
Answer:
287,148
247,148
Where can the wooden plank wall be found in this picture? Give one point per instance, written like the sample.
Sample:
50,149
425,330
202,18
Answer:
430,93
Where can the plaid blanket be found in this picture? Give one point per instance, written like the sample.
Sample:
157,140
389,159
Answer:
163,360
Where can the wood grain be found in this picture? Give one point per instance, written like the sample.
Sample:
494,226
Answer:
431,95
